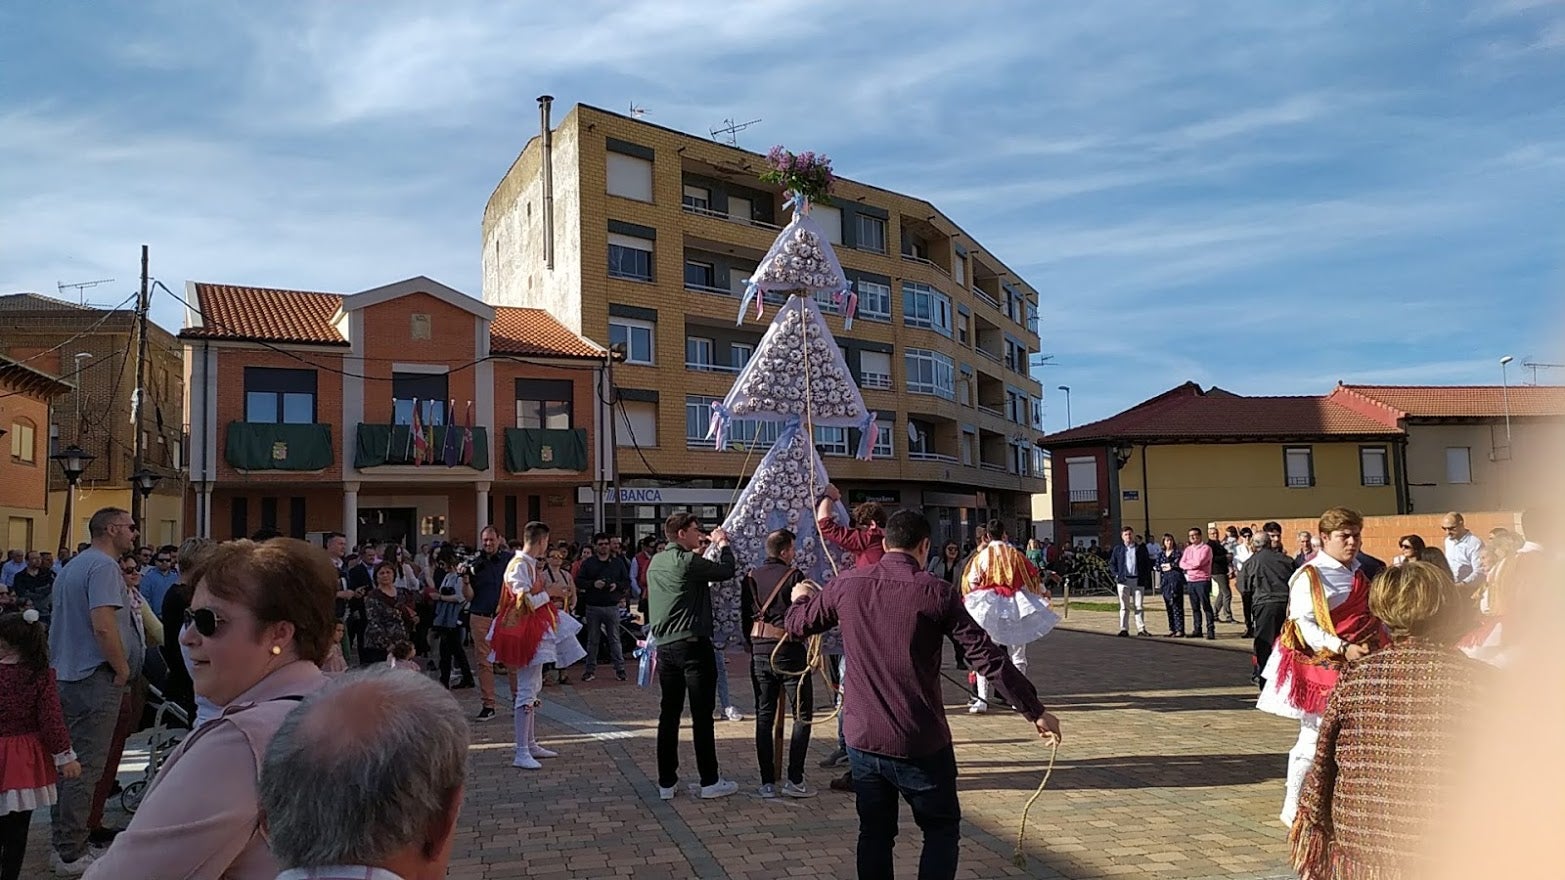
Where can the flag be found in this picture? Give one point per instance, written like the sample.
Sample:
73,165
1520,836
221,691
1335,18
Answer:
391,430
416,437
429,433
451,448
467,437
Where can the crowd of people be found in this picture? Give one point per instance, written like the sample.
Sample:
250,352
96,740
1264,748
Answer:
253,639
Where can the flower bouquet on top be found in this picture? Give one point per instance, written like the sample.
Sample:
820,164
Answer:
804,174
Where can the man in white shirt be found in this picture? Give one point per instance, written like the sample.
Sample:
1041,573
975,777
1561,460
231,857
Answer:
1462,549
15,561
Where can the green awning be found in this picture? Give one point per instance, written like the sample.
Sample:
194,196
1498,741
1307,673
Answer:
531,449
263,446
388,444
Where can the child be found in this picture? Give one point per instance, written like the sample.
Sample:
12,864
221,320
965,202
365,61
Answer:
401,656
335,664
34,743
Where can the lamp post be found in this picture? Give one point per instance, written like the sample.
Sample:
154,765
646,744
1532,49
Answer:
1505,392
145,481
1067,390
73,462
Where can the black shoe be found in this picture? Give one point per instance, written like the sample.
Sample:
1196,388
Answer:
1193,635
836,757
619,674
1123,634
843,782
1248,634
103,836
1211,636
464,685
589,676
115,788
485,714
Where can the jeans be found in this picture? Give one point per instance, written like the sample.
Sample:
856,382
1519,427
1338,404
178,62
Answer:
928,784
1200,593
601,620
451,650
686,669
1245,597
1225,598
724,698
1174,604
91,708
770,688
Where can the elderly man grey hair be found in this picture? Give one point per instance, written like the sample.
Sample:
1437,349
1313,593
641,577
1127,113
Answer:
367,773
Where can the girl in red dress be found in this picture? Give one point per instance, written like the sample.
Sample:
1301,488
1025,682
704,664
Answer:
34,746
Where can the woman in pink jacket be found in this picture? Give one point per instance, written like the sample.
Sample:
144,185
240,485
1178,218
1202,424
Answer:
260,622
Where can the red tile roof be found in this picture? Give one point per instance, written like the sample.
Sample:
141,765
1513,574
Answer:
1462,401
262,314
1189,413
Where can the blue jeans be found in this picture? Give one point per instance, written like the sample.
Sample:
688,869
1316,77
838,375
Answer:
928,784
724,699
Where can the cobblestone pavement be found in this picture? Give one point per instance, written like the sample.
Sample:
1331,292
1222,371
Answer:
1166,771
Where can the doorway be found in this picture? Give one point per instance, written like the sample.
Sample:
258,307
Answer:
388,525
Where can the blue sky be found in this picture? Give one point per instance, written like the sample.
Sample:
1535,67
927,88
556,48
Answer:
1265,196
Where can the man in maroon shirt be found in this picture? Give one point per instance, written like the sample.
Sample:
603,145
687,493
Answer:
894,617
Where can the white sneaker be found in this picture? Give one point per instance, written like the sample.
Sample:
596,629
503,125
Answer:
667,794
732,714
979,707
720,788
768,791
797,790
526,761
539,751
70,869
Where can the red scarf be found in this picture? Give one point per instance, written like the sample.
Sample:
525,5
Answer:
1309,676
519,629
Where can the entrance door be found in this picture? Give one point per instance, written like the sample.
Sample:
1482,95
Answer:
388,525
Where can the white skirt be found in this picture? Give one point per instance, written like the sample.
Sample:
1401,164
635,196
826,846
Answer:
1011,620
19,800
1273,700
567,647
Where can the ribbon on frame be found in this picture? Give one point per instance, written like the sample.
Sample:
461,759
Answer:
751,291
850,309
717,428
867,431
798,203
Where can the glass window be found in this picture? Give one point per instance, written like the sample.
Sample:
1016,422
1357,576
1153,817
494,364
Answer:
740,354
698,198
698,353
636,336
830,440
883,448
748,432
874,300
830,220
701,276
930,372
23,441
550,414
274,395
261,406
827,301
698,418
923,306
875,369
630,257
969,440
1299,465
1458,464
629,177
872,234
1372,465
961,328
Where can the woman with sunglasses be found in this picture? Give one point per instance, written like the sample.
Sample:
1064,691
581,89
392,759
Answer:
386,614
1412,546
259,623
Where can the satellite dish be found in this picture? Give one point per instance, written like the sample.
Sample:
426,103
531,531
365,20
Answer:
913,434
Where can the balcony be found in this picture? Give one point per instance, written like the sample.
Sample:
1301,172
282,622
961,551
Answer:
880,381
539,449
392,445
991,466
738,221
984,352
914,258
1084,503
984,296
984,407
931,456
711,368
267,446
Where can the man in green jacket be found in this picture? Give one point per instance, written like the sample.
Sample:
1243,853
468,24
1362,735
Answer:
679,600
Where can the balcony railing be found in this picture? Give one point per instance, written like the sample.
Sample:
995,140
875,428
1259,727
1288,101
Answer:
1084,495
266,446
991,411
391,444
930,456
984,295
710,368
719,215
876,380
988,354
991,466
708,288
533,449
913,258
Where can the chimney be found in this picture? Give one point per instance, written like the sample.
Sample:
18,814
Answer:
545,102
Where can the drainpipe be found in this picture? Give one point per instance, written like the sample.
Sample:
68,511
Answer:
204,517
544,103
1146,496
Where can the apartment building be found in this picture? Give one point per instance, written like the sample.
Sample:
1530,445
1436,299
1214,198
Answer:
641,236
94,350
301,408
25,397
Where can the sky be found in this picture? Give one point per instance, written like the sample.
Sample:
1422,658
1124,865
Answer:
1265,196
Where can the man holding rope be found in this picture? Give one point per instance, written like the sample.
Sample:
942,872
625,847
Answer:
895,617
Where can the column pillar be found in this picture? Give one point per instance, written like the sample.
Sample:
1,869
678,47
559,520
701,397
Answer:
204,515
481,497
350,513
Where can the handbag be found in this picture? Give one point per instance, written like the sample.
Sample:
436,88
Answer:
759,628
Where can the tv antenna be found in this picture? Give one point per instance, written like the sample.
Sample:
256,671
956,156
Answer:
729,132
81,288
1535,366
1039,359
637,112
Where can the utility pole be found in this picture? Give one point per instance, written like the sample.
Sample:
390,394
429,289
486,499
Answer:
137,503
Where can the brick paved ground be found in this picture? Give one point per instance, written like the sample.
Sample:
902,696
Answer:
1166,771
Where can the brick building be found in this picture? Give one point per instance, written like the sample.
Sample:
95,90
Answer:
642,236
94,350
301,405
25,397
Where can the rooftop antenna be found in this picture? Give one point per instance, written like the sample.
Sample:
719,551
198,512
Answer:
81,288
637,112
1534,366
729,132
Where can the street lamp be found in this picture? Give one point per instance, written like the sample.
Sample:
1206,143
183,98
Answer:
1505,391
73,462
1067,390
145,481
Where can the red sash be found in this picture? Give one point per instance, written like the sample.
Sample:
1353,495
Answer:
1308,676
519,629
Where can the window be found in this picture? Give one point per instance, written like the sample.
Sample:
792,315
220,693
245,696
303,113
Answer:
961,328
1032,317
698,418
636,336
1037,416
281,396
874,300
739,354
872,234
1299,466
830,440
698,353
930,372
1016,408
1372,465
969,441
701,276
636,423
24,443
741,210
959,270
1458,464
544,403
54,444
875,369
830,220
964,389
1021,460
629,177
430,391
1015,356
919,443
1081,476
826,300
751,432
630,257
698,198
882,447
923,306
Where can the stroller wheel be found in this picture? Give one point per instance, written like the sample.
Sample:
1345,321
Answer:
131,797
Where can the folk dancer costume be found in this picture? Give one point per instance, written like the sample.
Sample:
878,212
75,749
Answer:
1328,609
527,632
1003,591
1486,641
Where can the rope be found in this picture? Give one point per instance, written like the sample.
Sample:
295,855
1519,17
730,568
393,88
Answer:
1019,856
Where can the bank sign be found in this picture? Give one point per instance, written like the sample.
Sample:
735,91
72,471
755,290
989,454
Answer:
644,495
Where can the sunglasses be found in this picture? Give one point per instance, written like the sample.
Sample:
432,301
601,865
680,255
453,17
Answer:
1408,547
130,571
205,620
